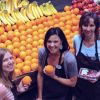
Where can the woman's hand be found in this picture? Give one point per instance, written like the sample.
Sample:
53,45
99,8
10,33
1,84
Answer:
52,75
22,88
97,77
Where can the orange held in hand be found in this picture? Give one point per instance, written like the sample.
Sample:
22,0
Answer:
26,80
49,69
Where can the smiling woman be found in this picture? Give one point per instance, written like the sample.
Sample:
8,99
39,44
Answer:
8,90
63,73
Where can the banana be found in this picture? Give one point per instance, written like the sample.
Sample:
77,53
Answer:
42,9
52,7
9,5
6,15
23,12
13,16
3,19
15,3
19,16
23,3
39,10
45,10
35,10
29,12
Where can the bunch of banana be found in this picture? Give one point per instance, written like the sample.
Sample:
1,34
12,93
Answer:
19,16
9,5
23,3
51,7
23,12
48,9
2,5
15,3
36,10
29,13
13,16
3,18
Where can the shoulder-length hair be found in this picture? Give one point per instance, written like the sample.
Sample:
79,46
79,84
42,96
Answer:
56,31
84,20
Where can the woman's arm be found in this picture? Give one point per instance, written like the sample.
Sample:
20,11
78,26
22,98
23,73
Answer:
69,82
40,83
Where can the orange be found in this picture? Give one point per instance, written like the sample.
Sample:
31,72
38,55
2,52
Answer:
18,60
49,69
67,8
29,46
22,54
2,45
28,57
8,28
29,31
29,52
15,39
19,65
35,28
16,52
16,44
28,24
8,42
76,11
22,48
34,66
2,30
26,80
3,38
10,47
26,69
35,43
21,27
17,72
14,27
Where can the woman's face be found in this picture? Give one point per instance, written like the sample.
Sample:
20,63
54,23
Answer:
53,44
89,30
8,62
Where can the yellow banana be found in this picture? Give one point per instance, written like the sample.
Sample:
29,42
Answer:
13,16
3,19
23,12
23,3
9,5
29,12
15,3
42,9
34,9
19,16
39,10
52,8
6,15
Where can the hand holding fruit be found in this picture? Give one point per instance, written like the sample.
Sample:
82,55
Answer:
49,70
24,84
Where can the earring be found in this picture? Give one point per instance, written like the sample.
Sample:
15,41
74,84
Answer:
61,47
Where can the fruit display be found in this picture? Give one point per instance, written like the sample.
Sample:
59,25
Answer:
23,26
86,5
12,11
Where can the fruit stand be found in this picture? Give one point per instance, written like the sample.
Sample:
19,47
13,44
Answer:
23,25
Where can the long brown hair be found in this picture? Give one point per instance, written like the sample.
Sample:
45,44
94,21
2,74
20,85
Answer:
5,79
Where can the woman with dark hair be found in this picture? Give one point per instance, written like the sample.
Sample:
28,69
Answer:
55,86
87,47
